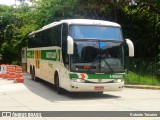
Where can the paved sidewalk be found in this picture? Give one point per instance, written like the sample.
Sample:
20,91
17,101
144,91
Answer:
143,87
40,96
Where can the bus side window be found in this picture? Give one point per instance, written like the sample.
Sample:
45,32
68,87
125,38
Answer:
55,36
49,38
37,40
52,36
30,41
64,43
58,35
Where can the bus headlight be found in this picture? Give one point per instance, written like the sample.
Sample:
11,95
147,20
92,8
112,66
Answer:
78,80
74,80
118,80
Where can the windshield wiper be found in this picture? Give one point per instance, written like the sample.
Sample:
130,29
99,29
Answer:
99,56
108,65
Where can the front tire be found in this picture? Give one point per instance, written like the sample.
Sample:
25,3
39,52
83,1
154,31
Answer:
58,88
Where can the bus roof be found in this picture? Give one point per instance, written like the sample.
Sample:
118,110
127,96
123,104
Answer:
79,22
90,22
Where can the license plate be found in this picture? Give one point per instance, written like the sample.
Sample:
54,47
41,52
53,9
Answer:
99,88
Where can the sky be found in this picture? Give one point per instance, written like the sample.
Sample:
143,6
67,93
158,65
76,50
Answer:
8,2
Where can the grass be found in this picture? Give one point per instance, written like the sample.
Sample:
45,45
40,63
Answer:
133,78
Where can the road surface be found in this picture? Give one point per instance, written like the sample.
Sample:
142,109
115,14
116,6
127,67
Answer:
41,96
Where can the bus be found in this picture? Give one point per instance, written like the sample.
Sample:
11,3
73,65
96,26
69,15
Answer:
79,55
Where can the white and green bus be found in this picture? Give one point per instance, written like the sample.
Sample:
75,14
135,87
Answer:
79,55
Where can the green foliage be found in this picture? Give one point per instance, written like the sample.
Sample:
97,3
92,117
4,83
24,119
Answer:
47,11
133,78
140,21
9,53
15,27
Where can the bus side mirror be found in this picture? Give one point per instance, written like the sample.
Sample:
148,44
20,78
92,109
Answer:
130,47
70,45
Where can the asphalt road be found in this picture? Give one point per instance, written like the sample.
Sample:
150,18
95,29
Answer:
41,96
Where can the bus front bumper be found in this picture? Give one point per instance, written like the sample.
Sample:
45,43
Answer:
95,87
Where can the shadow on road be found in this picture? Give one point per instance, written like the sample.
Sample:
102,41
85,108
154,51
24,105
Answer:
48,91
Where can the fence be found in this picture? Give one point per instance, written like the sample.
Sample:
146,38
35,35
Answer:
142,71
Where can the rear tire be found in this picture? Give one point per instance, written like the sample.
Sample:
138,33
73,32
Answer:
33,75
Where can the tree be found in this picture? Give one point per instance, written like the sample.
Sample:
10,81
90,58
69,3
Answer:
15,26
140,20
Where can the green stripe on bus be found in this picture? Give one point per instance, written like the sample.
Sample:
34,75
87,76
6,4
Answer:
30,54
99,76
73,75
59,57
48,55
45,54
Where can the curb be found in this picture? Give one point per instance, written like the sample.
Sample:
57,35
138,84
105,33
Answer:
143,87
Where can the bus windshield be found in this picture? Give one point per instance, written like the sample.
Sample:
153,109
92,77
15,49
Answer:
96,32
97,49
97,57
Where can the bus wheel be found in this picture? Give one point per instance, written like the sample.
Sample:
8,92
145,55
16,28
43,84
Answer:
30,71
59,90
33,76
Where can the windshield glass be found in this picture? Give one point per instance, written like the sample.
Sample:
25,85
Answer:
95,56
96,32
